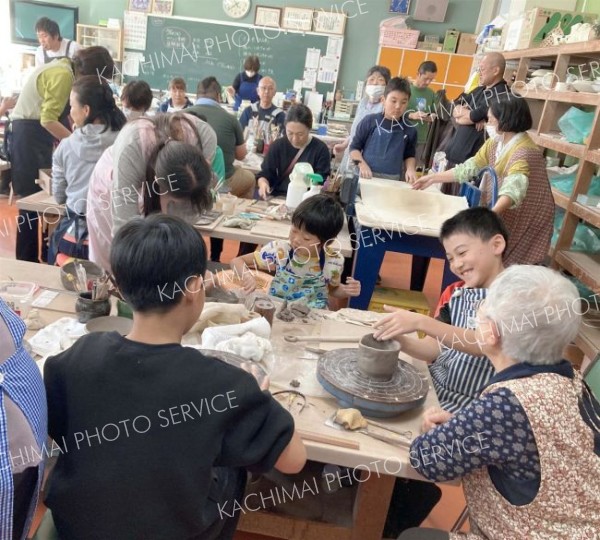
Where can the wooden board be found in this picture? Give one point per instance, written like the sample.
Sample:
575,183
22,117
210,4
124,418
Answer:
276,229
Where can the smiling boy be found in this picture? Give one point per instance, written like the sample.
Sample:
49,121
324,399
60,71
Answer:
474,240
384,144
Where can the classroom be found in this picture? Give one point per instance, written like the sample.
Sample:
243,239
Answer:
327,269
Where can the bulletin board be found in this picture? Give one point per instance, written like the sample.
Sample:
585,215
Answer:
197,48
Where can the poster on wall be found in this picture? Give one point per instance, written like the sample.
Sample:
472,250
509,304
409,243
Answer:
399,6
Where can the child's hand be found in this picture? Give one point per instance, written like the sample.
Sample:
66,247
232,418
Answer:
351,288
365,170
411,176
434,417
400,322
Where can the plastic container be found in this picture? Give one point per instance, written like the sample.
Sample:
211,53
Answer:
18,295
298,184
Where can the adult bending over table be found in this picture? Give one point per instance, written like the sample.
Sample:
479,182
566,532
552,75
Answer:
528,450
525,199
298,146
131,178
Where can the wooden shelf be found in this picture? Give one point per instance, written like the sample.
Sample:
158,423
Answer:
588,338
579,98
552,142
589,214
576,49
584,266
593,156
560,199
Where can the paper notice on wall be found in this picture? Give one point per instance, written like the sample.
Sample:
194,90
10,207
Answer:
309,80
312,58
131,63
134,29
328,69
334,46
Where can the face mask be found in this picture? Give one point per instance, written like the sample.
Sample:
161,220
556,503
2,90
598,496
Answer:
375,91
491,131
250,74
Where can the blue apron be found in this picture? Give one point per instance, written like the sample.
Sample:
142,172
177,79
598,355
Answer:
247,91
459,377
21,380
311,289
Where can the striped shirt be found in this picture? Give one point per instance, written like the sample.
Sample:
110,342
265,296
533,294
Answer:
458,377
21,382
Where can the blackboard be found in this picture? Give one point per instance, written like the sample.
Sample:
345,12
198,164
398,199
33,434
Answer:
195,49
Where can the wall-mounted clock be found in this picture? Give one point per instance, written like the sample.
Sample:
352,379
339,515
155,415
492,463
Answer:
236,8
399,6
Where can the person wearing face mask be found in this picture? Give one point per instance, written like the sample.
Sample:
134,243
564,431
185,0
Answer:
525,199
136,99
421,105
245,84
371,103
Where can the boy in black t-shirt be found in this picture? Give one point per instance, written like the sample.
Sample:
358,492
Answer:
156,438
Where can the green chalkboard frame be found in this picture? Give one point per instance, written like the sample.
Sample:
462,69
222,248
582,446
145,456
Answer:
196,48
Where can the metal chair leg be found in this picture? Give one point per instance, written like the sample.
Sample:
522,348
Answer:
461,520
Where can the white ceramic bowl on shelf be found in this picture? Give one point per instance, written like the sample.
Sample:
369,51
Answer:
584,86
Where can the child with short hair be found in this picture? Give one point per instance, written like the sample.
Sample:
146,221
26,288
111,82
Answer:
178,99
306,267
156,438
474,240
384,143
136,99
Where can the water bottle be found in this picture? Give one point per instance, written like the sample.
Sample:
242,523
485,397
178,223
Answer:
439,163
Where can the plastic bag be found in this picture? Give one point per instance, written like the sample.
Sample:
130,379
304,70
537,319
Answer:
565,183
576,125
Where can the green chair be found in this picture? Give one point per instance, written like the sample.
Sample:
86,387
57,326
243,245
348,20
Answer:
592,377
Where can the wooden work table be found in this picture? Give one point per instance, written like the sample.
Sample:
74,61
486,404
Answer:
262,232
379,462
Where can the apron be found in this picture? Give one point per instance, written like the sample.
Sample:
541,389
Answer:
48,59
311,288
69,238
21,380
247,92
457,376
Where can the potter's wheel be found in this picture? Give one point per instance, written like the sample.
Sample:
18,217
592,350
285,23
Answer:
337,371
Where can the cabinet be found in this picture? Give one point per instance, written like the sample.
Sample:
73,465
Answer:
547,106
453,69
110,38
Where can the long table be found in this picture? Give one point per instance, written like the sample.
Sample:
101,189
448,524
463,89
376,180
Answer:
378,462
263,231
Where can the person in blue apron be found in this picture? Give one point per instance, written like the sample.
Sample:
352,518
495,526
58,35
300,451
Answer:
384,143
307,268
52,44
245,84
23,429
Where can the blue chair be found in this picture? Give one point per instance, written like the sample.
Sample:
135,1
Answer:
472,192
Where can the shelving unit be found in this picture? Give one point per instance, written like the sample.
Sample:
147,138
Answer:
110,38
547,107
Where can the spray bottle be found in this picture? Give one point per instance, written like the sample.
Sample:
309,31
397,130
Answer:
316,181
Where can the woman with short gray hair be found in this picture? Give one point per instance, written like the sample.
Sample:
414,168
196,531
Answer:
536,414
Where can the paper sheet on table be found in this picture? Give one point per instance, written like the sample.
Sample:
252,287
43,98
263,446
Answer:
393,205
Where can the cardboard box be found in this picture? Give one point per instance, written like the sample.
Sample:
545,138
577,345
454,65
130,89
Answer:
451,41
466,44
539,22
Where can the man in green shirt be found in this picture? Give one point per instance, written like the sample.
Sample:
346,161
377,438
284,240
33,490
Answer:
420,108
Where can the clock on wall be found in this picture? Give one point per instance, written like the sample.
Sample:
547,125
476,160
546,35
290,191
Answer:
236,8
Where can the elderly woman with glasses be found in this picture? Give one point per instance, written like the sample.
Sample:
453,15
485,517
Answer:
528,449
